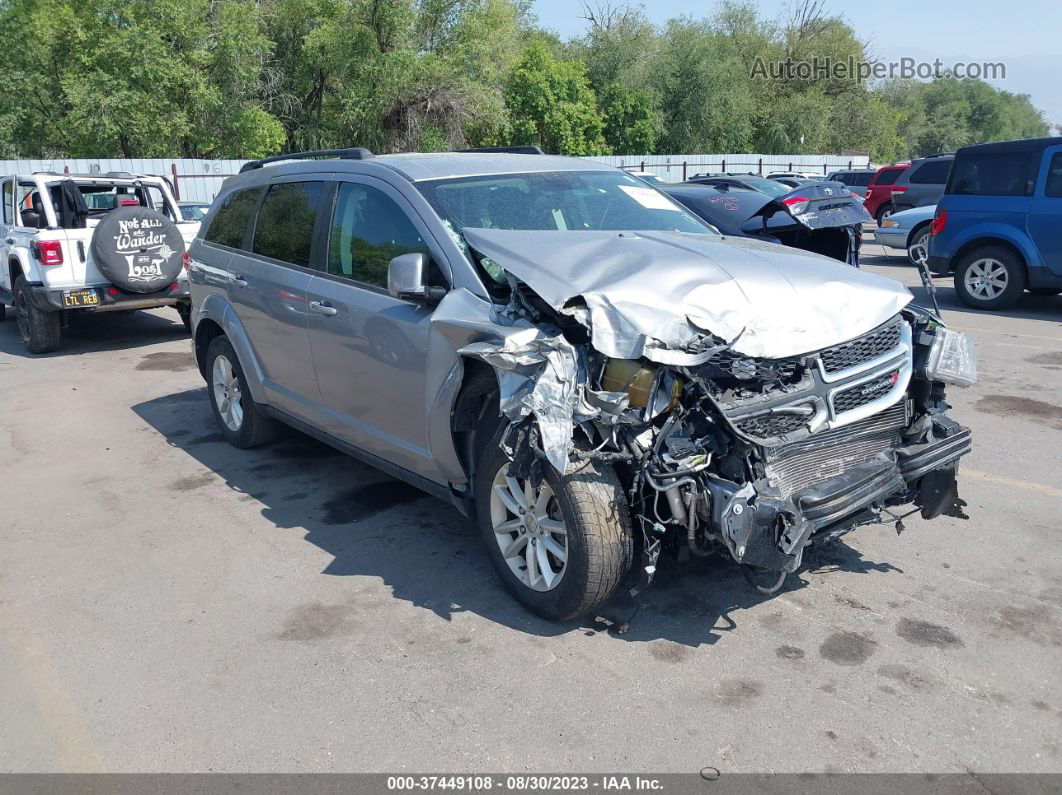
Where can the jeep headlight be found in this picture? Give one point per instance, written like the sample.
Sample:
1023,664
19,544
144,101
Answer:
952,358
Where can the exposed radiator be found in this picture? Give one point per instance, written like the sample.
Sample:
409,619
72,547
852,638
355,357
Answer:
798,466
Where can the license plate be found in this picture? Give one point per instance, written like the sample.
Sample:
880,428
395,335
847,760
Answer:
76,298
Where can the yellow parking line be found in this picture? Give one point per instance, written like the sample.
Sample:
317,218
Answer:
999,480
65,723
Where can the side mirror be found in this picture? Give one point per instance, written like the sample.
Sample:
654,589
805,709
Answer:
407,277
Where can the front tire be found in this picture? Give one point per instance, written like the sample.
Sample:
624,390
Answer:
562,549
240,419
40,330
990,277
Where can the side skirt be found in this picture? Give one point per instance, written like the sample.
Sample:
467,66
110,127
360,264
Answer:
412,478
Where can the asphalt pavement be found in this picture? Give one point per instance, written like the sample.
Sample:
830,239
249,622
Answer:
170,603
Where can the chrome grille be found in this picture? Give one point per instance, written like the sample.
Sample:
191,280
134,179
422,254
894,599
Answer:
870,346
800,465
861,394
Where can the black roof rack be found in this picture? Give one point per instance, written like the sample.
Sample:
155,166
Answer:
512,150
353,153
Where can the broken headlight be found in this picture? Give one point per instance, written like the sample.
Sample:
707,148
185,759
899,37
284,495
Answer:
952,358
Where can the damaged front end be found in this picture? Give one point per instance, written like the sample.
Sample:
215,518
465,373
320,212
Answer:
719,449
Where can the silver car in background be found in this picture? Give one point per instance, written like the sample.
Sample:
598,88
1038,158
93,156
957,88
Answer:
563,352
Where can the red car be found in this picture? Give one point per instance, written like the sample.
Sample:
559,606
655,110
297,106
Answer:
879,192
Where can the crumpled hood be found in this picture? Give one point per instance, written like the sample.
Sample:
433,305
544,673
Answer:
648,293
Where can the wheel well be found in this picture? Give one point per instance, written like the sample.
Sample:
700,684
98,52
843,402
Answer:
915,231
14,271
986,241
469,420
205,332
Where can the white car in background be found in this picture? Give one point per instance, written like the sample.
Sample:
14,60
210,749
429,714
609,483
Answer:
908,230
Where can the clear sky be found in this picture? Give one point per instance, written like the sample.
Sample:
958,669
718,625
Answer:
1026,35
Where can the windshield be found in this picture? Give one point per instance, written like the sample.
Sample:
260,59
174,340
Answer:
771,187
557,200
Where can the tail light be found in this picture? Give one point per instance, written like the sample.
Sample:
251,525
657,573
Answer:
940,220
796,205
48,252
899,190
186,260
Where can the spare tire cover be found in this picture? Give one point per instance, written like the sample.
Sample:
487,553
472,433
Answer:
138,249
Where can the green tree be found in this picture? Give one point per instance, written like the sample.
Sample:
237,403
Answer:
551,104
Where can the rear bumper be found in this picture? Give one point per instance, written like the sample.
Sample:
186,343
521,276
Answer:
49,300
771,532
938,265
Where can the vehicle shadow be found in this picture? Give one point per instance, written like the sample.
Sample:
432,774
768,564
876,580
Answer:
1029,306
107,331
428,553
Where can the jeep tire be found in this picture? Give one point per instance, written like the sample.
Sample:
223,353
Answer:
39,329
563,549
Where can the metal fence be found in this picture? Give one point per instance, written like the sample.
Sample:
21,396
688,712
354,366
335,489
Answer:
680,167
200,180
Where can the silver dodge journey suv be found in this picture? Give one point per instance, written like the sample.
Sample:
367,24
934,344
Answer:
564,353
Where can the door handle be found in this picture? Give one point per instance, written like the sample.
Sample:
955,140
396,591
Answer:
323,308
239,281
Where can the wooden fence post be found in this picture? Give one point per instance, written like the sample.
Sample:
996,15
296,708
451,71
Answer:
176,182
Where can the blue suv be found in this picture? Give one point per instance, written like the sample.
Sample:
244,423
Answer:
998,226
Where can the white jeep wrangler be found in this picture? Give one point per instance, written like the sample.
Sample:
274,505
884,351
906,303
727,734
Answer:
89,243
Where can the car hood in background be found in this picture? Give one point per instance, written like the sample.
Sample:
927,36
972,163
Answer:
657,294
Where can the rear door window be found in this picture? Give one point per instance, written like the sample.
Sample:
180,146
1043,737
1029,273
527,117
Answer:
889,177
996,174
284,229
232,217
860,179
1054,176
368,230
932,172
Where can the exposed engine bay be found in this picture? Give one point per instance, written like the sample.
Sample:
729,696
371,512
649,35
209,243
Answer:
759,455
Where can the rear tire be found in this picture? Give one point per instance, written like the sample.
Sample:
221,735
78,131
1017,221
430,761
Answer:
240,419
589,506
39,330
990,277
884,211
185,311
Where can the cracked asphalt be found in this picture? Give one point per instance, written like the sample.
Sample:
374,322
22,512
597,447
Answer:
169,603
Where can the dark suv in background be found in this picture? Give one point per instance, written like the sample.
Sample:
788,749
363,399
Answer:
922,184
857,179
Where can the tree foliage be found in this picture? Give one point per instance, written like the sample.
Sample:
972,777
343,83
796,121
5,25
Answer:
245,78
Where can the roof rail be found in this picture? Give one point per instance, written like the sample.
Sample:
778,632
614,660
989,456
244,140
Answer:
353,153
512,150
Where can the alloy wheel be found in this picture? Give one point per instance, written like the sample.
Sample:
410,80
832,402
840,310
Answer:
986,279
227,395
529,530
